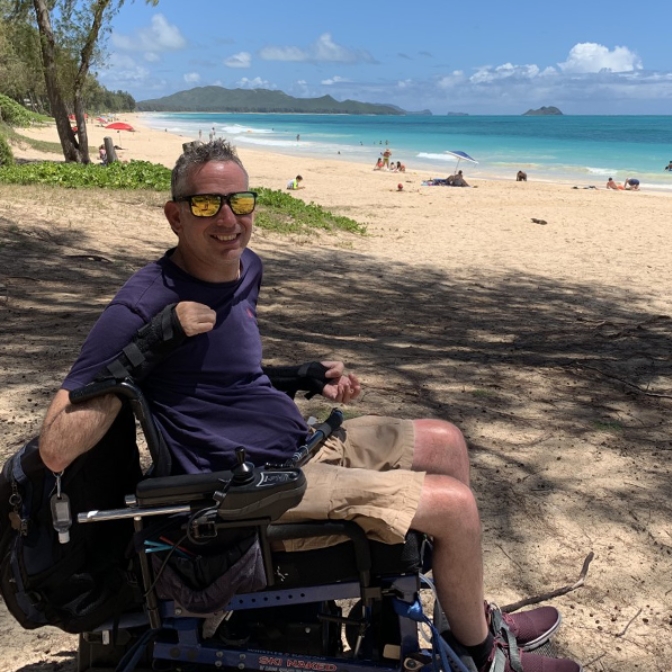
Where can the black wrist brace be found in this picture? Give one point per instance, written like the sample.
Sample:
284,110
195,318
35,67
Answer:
151,344
290,379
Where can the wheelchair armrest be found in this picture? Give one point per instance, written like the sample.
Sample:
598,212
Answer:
268,494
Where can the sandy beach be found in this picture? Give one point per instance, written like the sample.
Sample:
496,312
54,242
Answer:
615,238
547,343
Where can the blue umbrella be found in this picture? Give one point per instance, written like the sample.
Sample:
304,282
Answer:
461,156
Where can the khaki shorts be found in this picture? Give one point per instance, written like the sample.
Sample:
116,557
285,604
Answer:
362,473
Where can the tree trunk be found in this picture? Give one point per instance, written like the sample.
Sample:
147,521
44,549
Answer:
71,149
86,54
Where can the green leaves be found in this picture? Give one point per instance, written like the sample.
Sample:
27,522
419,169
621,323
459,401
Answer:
133,175
276,210
6,156
283,213
14,114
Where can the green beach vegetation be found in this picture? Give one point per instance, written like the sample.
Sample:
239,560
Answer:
276,210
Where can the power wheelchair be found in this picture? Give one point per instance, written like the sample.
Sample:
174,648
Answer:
216,594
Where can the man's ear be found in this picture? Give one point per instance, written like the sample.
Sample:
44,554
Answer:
173,212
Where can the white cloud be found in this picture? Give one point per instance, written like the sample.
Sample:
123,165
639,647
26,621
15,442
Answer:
159,37
593,80
453,79
123,74
192,77
240,60
283,54
256,83
591,57
323,50
336,79
487,74
123,68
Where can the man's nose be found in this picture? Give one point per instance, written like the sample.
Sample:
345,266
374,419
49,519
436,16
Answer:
225,215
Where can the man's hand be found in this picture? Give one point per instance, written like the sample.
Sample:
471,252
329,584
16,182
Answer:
341,387
195,318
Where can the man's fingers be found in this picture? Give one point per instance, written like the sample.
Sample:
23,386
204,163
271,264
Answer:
195,318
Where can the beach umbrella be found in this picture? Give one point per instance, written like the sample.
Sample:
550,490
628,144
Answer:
460,156
120,126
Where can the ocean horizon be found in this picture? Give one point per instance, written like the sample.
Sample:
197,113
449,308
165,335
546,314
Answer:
586,150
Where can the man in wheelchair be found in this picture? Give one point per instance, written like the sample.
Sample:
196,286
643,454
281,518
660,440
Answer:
184,327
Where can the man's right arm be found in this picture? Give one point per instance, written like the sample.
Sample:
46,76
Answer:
70,430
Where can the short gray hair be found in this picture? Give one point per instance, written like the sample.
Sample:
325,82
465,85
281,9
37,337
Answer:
198,154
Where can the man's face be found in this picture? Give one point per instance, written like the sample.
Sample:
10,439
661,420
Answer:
209,248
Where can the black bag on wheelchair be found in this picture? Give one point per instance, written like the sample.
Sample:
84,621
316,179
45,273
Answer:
79,584
202,576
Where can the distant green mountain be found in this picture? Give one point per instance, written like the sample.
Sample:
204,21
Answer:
219,99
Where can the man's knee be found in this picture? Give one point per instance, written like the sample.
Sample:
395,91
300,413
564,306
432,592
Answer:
440,448
440,432
447,507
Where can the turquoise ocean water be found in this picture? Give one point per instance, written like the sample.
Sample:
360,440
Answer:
584,150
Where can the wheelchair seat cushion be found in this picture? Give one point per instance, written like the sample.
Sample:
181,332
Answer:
338,563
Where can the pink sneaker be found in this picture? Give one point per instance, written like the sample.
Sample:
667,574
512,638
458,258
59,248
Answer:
530,629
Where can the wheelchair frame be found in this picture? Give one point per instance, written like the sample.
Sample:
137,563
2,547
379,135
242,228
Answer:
172,637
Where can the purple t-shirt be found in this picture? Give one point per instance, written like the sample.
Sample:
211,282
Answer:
210,395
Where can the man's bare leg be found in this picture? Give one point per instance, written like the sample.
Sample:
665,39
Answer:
440,448
448,513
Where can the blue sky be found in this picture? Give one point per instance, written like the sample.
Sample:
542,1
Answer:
487,57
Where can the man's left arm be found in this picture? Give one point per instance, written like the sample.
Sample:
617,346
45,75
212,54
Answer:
326,378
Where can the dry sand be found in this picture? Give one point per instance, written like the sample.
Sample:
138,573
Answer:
548,344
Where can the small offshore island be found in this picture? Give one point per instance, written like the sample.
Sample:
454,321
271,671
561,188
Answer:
544,112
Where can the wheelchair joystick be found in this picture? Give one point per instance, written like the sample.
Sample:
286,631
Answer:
243,472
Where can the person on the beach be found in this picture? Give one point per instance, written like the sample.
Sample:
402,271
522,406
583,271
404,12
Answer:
379,164
401,168
631,184
386,157
295,183
612,185
521,176
210,395
668,166
456,180
102,154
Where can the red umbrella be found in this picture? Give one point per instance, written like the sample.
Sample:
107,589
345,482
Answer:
120,126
